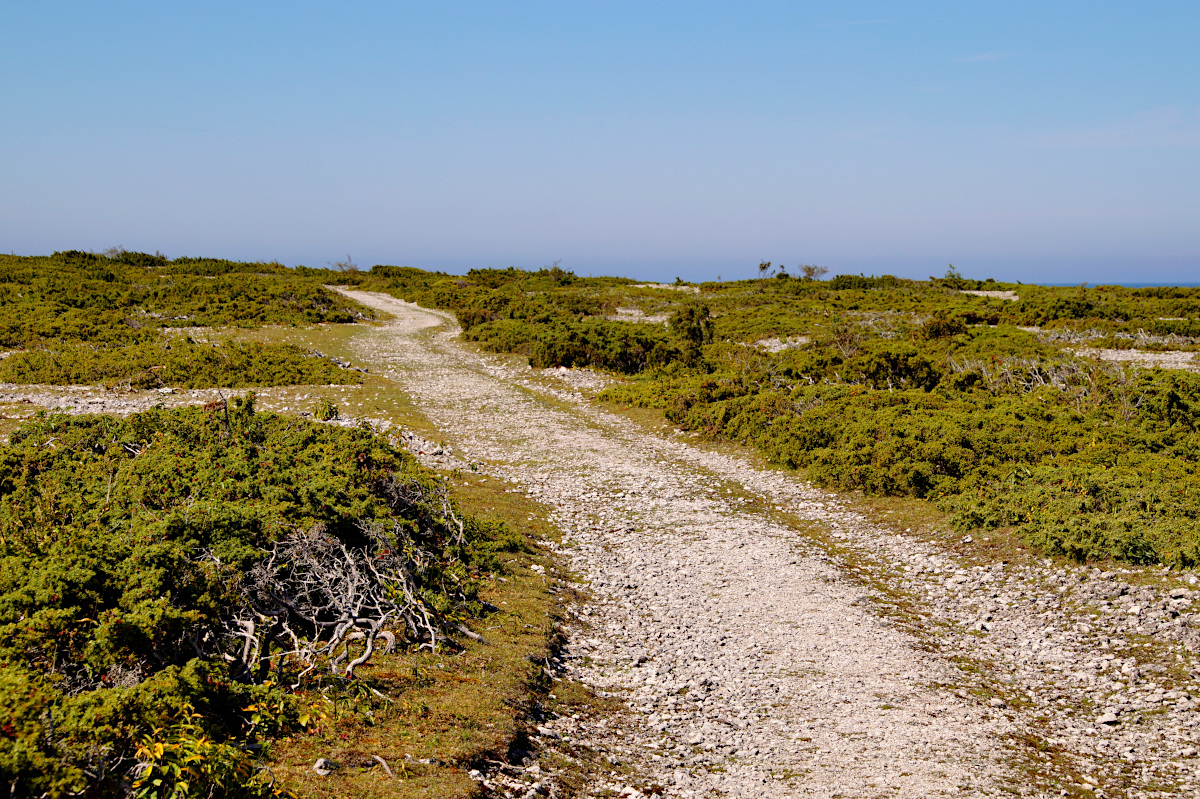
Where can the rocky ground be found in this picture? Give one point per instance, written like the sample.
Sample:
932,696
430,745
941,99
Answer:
668,287
767,640
21,401
781,344
636,315
1167,359
1011,296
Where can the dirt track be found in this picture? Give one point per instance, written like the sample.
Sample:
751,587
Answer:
766,639
753,663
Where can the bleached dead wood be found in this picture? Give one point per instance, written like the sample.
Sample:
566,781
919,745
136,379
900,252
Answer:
316,602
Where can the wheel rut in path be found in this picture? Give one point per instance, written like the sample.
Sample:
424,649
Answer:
751,666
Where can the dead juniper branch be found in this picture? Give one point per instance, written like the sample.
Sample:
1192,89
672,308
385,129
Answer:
314,599
1072,336
846,338
886,324
1122,387
1076,378
1067,335
317,601
427,506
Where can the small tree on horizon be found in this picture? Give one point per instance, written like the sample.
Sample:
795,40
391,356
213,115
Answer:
347,265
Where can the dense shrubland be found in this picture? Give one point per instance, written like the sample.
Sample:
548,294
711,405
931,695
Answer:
551,316
179,362
77,317
909,388
1081,459
177,585
530,313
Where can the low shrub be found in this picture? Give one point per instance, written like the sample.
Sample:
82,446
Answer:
73,297
77,317
325,410
1081,459
136,625
860,283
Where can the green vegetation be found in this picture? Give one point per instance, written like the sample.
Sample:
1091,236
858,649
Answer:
169,582
170,588
324,410
902,388
77,317
1080,460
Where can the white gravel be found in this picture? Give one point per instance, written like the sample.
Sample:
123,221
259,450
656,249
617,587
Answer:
1164,359
996,295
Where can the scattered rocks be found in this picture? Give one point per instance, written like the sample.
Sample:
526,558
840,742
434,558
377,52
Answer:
580,379
75,400
999,295
431,454
1162,359
636,315
781,344
667,286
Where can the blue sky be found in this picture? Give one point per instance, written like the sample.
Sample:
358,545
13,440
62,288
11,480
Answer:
1047,141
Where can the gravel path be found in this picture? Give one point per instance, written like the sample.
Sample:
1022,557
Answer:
768,640
754,667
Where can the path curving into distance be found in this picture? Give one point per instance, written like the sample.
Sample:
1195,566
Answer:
751,666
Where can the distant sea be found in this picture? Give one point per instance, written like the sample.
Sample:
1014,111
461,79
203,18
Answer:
1127,285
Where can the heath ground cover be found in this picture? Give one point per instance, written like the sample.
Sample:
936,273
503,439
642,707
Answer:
77,317
179,587
893,387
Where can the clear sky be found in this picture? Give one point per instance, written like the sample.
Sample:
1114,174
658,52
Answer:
1038,141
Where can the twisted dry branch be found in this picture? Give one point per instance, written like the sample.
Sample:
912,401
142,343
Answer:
313,600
